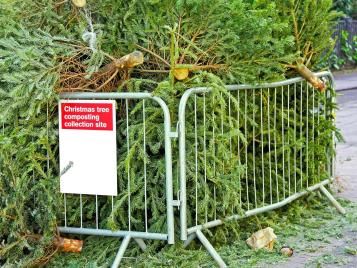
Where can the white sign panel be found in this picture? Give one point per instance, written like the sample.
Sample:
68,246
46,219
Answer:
87,138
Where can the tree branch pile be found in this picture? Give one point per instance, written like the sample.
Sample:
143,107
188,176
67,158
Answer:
163,47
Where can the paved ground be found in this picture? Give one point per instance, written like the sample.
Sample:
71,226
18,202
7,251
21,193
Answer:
346,80
346,177
346,165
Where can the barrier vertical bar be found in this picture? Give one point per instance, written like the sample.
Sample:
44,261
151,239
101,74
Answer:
168,168
47,140
222,132
214,153
313,136
112,208
301,149
282,137
196,162
325,115
253,140
204,151
307,135
295,149
269,142
262,140
145,175
182,164
275,147
238,151
230,123
246,146
96,212
289,139
65,209
318,132
128,165
81,209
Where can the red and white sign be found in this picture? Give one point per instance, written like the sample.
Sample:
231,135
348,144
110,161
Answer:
87,135
87,116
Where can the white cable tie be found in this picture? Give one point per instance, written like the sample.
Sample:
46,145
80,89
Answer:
91,39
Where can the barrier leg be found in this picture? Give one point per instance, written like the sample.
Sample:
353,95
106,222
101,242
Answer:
141,243
210,249
189,239
332,199
121,251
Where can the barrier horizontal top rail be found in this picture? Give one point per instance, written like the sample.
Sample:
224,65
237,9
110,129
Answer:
257,86
108,95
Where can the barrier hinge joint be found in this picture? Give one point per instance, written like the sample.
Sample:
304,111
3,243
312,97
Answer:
173,134
176,203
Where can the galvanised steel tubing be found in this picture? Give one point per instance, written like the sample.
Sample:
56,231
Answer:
282,83
168,152
109,95
128,167
103,232
332,200
121,251
182,134
210,249
256,211
332,81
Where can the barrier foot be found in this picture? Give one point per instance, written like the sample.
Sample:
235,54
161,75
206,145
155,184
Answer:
190,238
332,199
121,251
210,249
141,243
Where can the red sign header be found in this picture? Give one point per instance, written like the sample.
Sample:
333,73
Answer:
87,116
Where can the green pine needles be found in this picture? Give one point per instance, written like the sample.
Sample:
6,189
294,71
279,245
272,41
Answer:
219,42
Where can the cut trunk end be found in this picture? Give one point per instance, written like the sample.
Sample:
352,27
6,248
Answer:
181,73
310,77
79,3
69,245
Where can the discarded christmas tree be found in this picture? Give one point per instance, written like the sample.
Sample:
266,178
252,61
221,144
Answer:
185,44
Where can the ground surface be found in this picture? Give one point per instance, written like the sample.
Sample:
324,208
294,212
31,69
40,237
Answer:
346,164
346,79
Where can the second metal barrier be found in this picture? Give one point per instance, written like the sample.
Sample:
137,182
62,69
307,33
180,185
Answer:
271,143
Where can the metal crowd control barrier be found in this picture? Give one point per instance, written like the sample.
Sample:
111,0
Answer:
280,177
129,233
